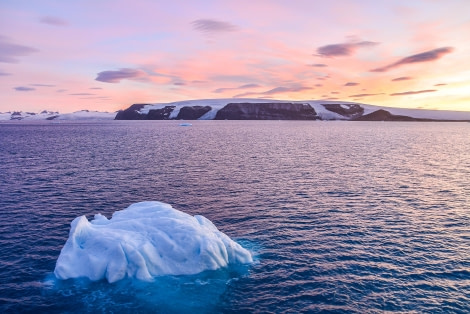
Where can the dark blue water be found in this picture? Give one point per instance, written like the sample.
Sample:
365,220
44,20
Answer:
341,216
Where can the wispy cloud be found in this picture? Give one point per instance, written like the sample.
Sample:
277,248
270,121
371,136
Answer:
9,52
319,65
276,90
364,95
427,56
24,89
282,89
414,92
231,78
351,84
95,88
210,26
96,97
246,86
343,49
402,78
117,76
4,73
440,84
82,94
42,85
52,20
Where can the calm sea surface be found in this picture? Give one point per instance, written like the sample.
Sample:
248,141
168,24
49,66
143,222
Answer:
340,216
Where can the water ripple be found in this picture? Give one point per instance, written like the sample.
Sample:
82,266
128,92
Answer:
343,218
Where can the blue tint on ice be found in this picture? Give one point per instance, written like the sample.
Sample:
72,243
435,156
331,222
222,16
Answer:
143,241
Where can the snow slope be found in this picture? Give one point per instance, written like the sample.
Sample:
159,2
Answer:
322,112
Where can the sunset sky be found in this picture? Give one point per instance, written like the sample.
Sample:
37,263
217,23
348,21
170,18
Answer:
106,55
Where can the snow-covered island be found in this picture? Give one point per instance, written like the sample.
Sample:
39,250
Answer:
269,109
249,109
54,115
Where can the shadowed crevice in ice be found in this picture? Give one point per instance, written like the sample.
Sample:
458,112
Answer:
143,241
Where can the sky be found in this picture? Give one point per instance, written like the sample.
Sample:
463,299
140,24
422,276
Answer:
105,55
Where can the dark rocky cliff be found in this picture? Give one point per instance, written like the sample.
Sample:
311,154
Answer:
193,112
160,114
347,110
384,115
131,113
185,113
266,111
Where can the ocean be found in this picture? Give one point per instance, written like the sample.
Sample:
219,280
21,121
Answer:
341,217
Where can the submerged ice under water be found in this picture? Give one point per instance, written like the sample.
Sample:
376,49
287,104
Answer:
143,241
341,217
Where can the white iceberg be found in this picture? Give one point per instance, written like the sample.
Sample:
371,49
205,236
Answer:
145,240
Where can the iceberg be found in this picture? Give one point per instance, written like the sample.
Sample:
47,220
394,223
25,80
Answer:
143,241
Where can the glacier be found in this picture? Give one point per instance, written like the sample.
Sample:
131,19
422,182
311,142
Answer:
143,241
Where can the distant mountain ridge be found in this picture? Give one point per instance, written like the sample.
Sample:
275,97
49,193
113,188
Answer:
249,109
54,115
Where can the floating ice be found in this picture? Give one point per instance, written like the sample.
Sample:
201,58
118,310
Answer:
145,240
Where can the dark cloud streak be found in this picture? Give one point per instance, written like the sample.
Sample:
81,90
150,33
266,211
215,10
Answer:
246,86
276,90
24,89
427,56
52,20
210,26
343,49
414,92
9,52
403,78
42,85
364,95
82,94
117,76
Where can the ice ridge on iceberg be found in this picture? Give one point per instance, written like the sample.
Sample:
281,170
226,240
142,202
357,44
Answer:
145,240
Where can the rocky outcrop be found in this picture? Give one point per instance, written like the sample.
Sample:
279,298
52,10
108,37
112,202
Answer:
347,110
131,113
192,112
186,113
160,114
266,111
384,115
